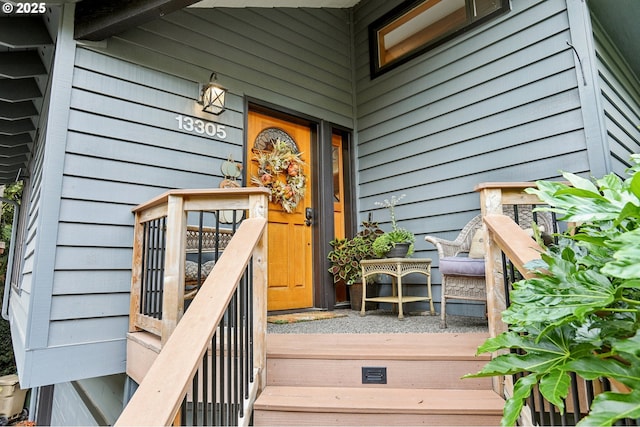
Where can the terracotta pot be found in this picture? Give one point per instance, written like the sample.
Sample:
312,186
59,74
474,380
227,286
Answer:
355,295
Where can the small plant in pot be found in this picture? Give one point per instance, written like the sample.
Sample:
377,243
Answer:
346,255
397,243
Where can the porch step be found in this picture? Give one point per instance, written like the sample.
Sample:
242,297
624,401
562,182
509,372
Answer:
357,406
411,360
317,379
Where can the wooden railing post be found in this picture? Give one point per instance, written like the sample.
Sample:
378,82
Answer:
491,203
493,196
172,306
259,209
136,272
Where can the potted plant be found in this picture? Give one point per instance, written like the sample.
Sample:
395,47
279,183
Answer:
397,243
581,313
346,255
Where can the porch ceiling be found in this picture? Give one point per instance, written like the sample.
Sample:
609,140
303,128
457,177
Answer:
620,20
25,55
100,19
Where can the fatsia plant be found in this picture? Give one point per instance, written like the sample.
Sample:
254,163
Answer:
580,314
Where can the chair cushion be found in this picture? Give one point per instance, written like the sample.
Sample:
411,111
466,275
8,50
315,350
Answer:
477,245
191,270
462,266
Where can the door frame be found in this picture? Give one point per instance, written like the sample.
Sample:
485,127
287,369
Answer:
321,192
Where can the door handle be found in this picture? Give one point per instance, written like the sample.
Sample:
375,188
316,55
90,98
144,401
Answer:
308,214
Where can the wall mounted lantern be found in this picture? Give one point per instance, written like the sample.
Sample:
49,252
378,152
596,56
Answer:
212,96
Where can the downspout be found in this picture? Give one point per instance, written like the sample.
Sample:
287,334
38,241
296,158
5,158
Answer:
7,278
355,178
584,51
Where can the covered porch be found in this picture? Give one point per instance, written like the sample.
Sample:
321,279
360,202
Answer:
224,334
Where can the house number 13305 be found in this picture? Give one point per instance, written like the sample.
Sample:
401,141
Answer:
189,124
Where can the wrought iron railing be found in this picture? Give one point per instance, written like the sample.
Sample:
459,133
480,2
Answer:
222,382
211,361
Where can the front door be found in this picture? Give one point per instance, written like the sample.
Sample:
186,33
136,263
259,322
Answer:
290,250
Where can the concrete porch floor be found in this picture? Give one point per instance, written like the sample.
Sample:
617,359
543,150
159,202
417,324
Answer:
382,321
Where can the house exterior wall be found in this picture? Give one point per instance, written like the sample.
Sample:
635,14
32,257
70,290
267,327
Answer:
113,141
620,100
499,103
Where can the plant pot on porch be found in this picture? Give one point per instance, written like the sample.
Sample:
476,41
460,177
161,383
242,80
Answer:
355,295
400,250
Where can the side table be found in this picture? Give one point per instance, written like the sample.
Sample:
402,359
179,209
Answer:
397,268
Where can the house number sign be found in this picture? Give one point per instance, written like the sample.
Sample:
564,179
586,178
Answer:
201,127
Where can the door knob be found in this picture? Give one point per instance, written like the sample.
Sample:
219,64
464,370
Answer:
308,214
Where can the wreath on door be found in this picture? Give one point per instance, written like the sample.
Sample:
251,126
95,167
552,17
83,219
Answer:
280,170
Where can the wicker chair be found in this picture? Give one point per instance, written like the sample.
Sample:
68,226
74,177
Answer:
466,285
463,278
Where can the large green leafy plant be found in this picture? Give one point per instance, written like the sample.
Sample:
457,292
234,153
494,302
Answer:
580,314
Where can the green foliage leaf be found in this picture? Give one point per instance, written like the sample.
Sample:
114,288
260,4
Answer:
592,367
580,183
555,387
626,263
513,406
634,185
581,312
609,407
629,345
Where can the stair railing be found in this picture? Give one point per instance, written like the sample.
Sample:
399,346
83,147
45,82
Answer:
509,248
495,199
211,365
164,233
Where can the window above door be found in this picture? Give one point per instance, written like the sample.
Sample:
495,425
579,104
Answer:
416,26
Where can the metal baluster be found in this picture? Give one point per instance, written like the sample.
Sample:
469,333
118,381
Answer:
214,381
576,398
144,276
241,355
229,318
205,387
194,400
250,337
222,377
163,246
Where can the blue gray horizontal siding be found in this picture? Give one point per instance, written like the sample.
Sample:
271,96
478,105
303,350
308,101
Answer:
620,90
121,146
299,59
498,103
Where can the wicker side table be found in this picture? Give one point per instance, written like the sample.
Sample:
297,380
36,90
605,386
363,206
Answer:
397,268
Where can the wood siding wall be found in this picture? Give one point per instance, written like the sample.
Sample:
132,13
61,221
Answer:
299,59
620,101
121,146
498,103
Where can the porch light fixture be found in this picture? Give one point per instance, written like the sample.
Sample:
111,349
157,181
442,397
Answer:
212,96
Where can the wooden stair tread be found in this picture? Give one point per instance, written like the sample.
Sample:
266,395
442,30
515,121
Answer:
410,346
379,400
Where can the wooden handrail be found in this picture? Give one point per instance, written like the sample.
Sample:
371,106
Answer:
516,244
173,207
158,399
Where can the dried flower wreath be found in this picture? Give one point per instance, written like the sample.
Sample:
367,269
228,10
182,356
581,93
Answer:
280,170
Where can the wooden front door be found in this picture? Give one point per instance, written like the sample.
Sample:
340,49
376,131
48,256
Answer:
290,250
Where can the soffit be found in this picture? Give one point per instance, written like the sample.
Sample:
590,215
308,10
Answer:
619,19
26,51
